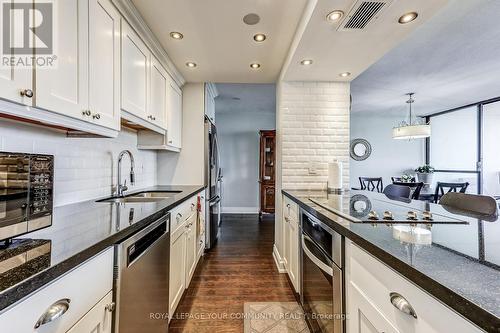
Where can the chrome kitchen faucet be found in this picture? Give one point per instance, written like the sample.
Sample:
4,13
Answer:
122,188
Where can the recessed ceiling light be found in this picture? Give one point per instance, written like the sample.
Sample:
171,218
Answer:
335,15
191,64
306,62
251,19
345,74
255,65
408,17
176,35
259,37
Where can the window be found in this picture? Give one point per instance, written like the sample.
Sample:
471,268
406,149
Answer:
491,152
454,140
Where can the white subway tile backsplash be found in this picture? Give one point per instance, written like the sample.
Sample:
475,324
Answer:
314,127
84,168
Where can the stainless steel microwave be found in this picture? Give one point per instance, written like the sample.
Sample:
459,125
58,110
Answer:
26,193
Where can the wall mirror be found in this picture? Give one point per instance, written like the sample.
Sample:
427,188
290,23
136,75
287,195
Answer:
360,149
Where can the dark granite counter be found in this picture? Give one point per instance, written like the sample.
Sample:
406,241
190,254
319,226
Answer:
459,264
78,232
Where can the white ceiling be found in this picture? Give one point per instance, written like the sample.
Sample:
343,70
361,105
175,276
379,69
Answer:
247,98
451,61
216,38
334,52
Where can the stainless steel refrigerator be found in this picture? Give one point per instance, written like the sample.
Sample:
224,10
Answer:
213,181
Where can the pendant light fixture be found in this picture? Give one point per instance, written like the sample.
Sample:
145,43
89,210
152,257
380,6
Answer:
413,129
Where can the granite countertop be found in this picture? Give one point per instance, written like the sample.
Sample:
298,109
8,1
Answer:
460,265
79,231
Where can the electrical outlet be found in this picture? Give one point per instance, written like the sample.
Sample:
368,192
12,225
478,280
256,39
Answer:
313,168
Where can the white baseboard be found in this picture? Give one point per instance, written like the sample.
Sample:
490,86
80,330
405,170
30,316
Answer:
277,259
240,210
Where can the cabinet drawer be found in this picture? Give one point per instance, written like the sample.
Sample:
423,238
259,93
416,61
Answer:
182,213
98,319
377,281
84,286
291,210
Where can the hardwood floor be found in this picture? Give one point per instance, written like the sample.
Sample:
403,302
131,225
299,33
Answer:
239,269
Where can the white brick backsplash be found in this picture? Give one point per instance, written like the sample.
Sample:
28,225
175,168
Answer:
313,127
85,168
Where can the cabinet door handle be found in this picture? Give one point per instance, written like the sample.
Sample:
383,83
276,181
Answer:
400,303
86,112
169,141
54,311
27,93
178,216
97,116
287,220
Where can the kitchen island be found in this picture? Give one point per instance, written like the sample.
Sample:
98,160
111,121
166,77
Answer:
452,258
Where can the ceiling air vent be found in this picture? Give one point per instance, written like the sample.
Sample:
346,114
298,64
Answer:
362,13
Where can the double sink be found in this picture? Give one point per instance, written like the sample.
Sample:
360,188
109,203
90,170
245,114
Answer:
147,196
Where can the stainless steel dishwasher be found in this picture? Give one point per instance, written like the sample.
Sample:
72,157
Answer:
141,280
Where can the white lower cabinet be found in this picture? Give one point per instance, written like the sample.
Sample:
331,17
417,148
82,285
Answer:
291,227
78,291
177,278
364,316
98,319
200,230
191,248
370,284
183,249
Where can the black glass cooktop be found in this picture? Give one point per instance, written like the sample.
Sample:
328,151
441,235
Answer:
361,208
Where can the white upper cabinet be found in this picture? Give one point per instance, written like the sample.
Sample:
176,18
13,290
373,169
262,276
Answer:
136,59
15,80
104,72
104,63
158,94
174,115
86,82
64,89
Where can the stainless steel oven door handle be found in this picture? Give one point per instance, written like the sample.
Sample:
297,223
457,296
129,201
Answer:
324,267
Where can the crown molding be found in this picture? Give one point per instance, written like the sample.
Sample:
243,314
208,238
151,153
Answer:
135,20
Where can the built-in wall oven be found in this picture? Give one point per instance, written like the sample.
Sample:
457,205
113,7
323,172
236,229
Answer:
322,277
26,192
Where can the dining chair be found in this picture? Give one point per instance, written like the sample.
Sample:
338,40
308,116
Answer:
442,188
371,184
472,203
397,191
416,187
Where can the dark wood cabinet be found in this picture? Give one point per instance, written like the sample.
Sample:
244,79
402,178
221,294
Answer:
267,178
